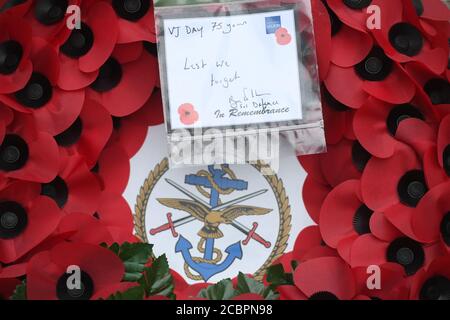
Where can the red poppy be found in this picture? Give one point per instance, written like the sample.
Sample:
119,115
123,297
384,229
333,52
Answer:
434,89
403,41
136,20
15,47
7,287
26,219
48,18
47,272
115,214
376,75
52,108
325,278
121,85
431,219
131,131
85,50
434,282
88,134
310,245
16,8
113,169
398,179
75,188
282,36
427,13
410,254
28,154
376,123
348,45
187,113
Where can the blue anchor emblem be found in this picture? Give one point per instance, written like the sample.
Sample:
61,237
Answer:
214,180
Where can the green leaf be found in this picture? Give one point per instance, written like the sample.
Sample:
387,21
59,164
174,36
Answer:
134,257
276,276
248,285
223,290
157,279
134,293
20,293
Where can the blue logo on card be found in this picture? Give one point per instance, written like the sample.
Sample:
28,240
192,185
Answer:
272,24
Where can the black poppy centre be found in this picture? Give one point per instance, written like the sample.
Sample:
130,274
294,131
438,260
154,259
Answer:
357,4
13,219
14,153
406,252
49,12
400,113
79,42
37,92
109,76
56,190
412,187
375,67
11,53
132,10
70,288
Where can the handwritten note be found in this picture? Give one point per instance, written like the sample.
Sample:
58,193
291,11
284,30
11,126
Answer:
233,70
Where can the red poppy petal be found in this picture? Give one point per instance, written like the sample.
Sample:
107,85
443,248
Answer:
100,15
427,217
42,276
435,10
349,47
97,128
17,80
114,168
102,265
338,211
367,250
443,139
371,129
400,216
115,211
353,18
152,112
128,52
308,238
43,217
380,177
84,228
335,124
344,247
397,88
381,228
71,77
417,134
131,135
311,163
7,287
327,274
43,161
61,111
345,85
134,88
142,30
434,174
337,164
313,195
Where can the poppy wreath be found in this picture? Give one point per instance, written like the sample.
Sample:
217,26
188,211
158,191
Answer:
75,107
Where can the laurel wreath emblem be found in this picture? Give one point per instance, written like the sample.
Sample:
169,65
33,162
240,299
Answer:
273,180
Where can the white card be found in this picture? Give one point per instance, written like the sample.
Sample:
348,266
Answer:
232,70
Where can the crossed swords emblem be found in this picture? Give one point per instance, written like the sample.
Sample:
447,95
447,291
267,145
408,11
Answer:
212,214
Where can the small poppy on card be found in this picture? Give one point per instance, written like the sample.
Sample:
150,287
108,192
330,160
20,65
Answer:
187,113
283,37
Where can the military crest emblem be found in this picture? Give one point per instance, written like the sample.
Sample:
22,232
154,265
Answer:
213,222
